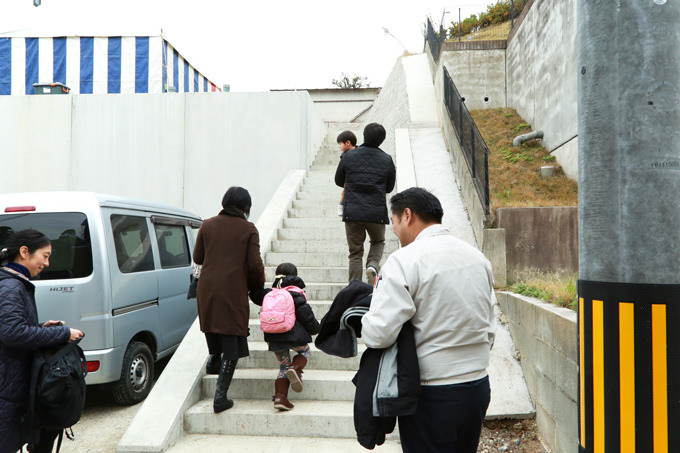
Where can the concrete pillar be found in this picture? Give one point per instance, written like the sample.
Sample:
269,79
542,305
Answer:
629,225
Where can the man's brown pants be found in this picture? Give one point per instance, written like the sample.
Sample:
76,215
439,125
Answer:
356,234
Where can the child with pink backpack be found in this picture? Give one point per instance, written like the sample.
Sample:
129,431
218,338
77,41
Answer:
288,324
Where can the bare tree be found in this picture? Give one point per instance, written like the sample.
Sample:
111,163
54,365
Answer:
351,82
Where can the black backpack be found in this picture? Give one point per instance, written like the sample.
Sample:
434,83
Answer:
57,390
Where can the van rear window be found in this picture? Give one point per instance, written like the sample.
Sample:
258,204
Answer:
70,236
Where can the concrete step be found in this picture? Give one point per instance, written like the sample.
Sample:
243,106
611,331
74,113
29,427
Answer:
315,274
325,245
311,259
324,179
321,223
309,203
297,234
321,189
259,418
320,308
261,357
331,196
321,385
326,211
323,291
320,173
326,167
327,160
193,443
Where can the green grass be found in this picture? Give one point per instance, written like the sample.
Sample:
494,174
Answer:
559,289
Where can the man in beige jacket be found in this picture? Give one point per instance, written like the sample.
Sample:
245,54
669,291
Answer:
443,287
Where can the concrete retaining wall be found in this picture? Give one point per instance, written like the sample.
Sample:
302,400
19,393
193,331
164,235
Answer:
544,239
542,71
546,338
536,75
479,76
391,109
180,149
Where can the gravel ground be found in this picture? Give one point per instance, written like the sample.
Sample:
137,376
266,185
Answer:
102,424
512,436
104,421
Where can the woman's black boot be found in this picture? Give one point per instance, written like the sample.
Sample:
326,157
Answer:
213,364
221,403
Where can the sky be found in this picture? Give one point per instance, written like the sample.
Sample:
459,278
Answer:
257,45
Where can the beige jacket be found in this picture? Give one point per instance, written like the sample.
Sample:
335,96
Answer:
444,287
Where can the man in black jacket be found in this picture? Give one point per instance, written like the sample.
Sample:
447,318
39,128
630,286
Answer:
367,173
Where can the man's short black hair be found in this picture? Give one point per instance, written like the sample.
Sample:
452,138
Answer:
347,136
374,135
421,202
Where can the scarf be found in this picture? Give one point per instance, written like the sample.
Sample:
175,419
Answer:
19,268
233,211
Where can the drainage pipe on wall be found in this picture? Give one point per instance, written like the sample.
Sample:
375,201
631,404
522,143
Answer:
526,137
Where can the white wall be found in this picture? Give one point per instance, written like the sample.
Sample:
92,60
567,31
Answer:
343,105
35,142
181,149
130,145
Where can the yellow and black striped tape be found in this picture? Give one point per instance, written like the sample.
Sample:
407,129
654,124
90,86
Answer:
629,365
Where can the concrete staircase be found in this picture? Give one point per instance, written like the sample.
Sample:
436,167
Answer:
313,238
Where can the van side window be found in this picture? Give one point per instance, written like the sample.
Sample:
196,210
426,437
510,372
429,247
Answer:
133,246
69,233
172,245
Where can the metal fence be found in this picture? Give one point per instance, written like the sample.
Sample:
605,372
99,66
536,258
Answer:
486,31
434,40
471,142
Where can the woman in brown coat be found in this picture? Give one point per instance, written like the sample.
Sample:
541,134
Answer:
228,248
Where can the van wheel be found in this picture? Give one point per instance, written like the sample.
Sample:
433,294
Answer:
136,376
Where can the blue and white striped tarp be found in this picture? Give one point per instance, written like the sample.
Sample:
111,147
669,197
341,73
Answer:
114,64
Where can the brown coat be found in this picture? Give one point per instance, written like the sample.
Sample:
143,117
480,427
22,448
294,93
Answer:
228,248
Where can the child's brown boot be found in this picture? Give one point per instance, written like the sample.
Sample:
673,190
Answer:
281,395
294,373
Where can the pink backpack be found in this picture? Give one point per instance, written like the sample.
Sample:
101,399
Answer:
278,310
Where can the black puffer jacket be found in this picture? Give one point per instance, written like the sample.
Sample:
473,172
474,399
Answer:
20,334
388,386
306,324
368,175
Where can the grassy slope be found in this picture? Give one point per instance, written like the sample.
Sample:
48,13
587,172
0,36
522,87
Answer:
514,178
514,181
492,32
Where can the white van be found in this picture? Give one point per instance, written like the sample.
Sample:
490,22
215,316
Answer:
119,271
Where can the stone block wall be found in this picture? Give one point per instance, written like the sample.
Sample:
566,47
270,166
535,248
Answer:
546,338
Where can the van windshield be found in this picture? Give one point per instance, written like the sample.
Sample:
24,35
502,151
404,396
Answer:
70,236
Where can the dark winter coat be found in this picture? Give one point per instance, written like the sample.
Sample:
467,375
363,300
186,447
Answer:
306,324
368,175
334,338
20,335
228,248
388,386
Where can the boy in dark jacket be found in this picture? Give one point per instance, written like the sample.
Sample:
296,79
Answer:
368,174
297,338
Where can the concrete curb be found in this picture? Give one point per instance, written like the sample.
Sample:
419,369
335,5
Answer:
406,175
160,422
